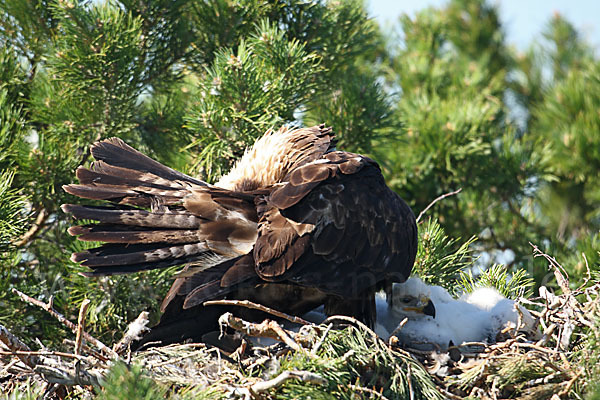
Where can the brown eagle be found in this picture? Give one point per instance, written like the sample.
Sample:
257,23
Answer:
296,224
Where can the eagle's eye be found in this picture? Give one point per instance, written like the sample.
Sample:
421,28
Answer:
406,300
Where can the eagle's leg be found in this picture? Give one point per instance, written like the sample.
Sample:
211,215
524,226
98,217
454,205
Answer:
361,307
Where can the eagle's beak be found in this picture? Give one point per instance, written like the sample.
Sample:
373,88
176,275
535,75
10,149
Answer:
429,309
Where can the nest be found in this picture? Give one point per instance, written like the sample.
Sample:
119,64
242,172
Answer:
341,358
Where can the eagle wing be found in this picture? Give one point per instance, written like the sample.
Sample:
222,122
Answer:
335,225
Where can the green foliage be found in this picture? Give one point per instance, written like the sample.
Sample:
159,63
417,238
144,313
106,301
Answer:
247,92
514,285
452,68
351,358
441,258
359,110
27,390
559,88
568,121
12,218
166,35
125,382
28,26
448,105
11,131
96,68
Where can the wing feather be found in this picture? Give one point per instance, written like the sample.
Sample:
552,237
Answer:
358,226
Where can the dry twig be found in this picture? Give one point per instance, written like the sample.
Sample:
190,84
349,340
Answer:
435,201
80,326
559,272
267,328
304,376
69,378
41,353
34,230
73,327
368,390
17,347
260,307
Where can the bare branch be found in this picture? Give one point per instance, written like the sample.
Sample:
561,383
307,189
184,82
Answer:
352,321
371,392
16,346
562,278
267,328
69,378
435,201
260,307
34,230
19,353
80,325
65,322
304,376
318,345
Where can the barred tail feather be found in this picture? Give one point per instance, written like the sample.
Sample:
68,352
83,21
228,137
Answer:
131,195
140,183
127,269
132,235
117,153
117,254
135,217
163,218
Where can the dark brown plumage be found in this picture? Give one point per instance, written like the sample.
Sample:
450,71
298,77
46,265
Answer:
295,225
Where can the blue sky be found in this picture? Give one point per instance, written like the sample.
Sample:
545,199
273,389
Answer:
523,19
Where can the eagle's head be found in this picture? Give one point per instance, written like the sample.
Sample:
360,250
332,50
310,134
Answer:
412,299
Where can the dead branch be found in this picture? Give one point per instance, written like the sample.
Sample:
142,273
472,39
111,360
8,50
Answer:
398,328
559,272
435,201
352,321
85,349
318,345
73,327
80,325
588,274
15,345
42,353
69,378
260,307
267,328
304,376
371,392
34,230
134,332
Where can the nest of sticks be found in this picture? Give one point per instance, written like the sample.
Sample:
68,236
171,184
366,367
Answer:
340,357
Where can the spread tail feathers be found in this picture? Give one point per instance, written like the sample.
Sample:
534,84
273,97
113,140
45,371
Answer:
158,217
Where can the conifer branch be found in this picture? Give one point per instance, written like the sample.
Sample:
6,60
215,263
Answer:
31,234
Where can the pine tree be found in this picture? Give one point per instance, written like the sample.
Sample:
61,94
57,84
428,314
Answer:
453,71
189,83
521,145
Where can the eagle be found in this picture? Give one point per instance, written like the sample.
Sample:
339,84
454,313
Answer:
428,317
296,224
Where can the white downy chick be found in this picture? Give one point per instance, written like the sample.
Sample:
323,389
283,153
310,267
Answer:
476,317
